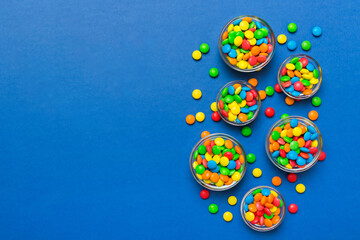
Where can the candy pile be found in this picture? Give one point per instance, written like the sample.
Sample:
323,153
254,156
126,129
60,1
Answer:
263,207
246,43
219,162
293,144
299,77
238,103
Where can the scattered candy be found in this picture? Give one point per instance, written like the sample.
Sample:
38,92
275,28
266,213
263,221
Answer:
291,45
316,31
216,117
253,81
293,144
232,200
213,208
300,188
238,103
250,158
204,48
200,117
313,115
278,88
284,115
291,177
281,39
292,27
246,43
257,172
204,194
316,101
269,112
204,134
269,90
246,131
262,94
213,72
299,77
276,181
228,216
289,101
293,208
196,55
213,107
190,119
306,45
196,94
322,156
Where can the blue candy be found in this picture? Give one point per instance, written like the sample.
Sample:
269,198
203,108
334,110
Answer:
289,89
237,22
311,129
310,158
304,149
316,31
266,41
314,136
242,94
246,207
292,155
265,192
291,45
260,41
244,110
300,161
217,169
231,165
237,120
275,154
226,48
307,136
231,90
294,123
232,53
310,67
258,25
253,108
249,199
246,88
211,164
295,93
294,80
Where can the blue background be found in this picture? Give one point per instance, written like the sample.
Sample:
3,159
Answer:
93,99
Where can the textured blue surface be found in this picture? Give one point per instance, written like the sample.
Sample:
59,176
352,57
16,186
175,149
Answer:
93,99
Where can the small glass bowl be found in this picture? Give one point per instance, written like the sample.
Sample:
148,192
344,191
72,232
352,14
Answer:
315,87
243,84
303,121
212,186
258,227
272,41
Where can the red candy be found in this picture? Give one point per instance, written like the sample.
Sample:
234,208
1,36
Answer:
245,45
322,156
229,155
204,194
249,96
269,112
216,116
293,208
298,86
304,61
224,113
277,88
292,177
252,60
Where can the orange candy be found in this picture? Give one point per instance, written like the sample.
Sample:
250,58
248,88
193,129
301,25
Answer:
225,35
252,207
270,198
232,61
275,220
290,73
238,149
297,73
258,197
263,47
263,200
207,142
199,159
190,119
262,94
247,19
301,142
287,147
242,159
287,126
313,115
243,117
276,181
253,81
255,50
236,85
277,212
246,56
224,178
307,91
289,133
275,146
228,144
278,129
204,134
271,149
289,101
268,222
206,175
230,181
303,128
214,177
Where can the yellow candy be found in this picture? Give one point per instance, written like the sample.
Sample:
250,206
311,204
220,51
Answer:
249,34
208,156
290,66
300,188
216,158
213,107
304,71
228,216
237,28
233,104
239,57
273,193
249,216
196,55
244,25
273,209
232,200
230,27
314,143
200,117
297,131
235,110
314,81
249,66
219,183
207,181
219,141
238,90
281,39
257,172
199,176
283,133
252,42
238,40
195,164
236,176
196,94
232,117
224,161
242,64
306,76
243,103
237,51
288,166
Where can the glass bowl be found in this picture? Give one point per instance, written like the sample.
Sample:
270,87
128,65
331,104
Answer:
251,114
248,199
283,161
269,40
284,80
199,171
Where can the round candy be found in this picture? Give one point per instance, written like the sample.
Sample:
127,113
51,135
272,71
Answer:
306,45
292,27
253,81
204,194
249,216
213,107
200,117
316,101
322,156
214,72
216,117
196,94
213,208
300,188
278,88
232,200
291,177
246,131
281,39
257,172
269,112
285,115
276,181
262,94
190,119
196,55
316,31
269,90
291,45
204,48
250,158
313,115
289,101
204,134
228,216
293,208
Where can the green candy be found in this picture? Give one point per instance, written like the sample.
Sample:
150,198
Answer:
250,158
244,51
216,150
226,108
225,150
250,115
229,99
287,139
224,92
251,25
224,171
281,203
237,98
256,191
269,91
231,172
298,66
213,208
292,27
196,153
294,145
204,48
285,78
295,60
306,45
226,41
240,34
233,151
268,217
305,82
316,73
214,72
282,147
241,168
283,161
202,149
231,37
236,156
264,31
284,116
316,101
234,47
246,131
298,151
200,169
275,135
258,34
